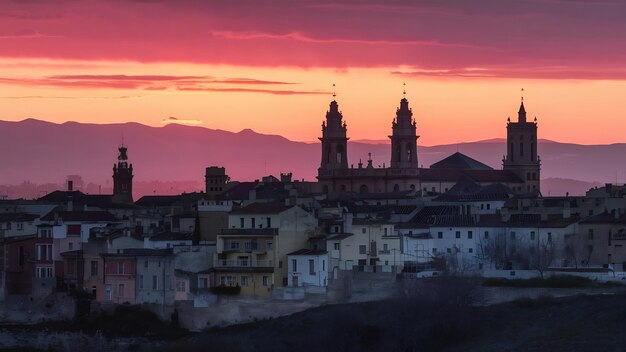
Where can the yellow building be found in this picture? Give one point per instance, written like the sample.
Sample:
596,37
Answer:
252,252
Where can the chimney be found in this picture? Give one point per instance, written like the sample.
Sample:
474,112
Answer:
70,185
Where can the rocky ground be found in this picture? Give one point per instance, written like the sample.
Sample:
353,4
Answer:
433,315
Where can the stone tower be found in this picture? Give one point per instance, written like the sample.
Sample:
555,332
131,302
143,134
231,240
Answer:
334,140
215,179
521,157
123,178
404,138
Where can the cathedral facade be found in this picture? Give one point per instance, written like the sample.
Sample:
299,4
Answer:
520,172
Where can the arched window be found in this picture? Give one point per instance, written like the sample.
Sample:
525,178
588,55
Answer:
396,188
343,188
512,152
409,152
521,149
339,153
532,151
398,153
412,187
363,189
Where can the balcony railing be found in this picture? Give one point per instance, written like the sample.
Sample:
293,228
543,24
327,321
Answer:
243,263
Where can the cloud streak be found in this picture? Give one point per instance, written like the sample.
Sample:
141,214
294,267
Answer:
141,82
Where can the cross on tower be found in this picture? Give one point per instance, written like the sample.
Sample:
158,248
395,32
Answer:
404,89
334,93
522,95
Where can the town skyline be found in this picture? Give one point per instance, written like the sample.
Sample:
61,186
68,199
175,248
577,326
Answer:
272,69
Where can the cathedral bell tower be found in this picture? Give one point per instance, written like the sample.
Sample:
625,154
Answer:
521,157
334,140
404,138
123,178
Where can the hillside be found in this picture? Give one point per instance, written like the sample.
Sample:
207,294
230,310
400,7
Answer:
43,152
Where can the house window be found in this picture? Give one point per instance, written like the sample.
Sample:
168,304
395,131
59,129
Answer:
482,207
323,265
71,246
94,268
181,286
241,223
269,245
145,264
108,292
20,226
362,249
244,281
120,290
294,265
590,234
488,206
471,250
449,250
385,247
363,230
269,222
311,267
549,236
385,232
120,268
155,282
336,246
44,272
253,222
486,235
44,251
512,236
203,282
440,235
532,235
458,234
266,280
141,282
434,250
469,235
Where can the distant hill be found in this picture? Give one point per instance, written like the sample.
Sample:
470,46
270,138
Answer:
43,152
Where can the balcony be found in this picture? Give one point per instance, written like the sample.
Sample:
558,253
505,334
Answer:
243,264
268,231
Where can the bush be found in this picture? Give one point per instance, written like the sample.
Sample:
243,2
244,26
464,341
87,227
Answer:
556,281
226,290
539,302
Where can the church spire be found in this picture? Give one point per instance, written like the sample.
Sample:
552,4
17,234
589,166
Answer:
521,114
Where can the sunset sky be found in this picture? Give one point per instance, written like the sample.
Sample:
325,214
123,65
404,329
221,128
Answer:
270,66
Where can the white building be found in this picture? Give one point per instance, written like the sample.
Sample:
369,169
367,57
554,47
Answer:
307,267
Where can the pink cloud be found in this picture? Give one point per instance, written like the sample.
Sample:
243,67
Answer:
252,90
432,35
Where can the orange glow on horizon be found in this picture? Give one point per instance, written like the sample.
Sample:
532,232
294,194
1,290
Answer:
292,102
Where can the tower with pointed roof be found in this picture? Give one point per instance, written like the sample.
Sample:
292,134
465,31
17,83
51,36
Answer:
334,140
521,157
404,138
123,177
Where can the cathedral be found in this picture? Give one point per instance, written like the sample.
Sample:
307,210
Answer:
520,172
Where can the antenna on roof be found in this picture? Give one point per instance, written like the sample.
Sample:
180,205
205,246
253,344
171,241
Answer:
404,89
334,92
522,95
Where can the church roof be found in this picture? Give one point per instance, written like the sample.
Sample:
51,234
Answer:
454,175
461,162
468,190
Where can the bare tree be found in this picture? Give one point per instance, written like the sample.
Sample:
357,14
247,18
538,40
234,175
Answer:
542,257
494,251
577,251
